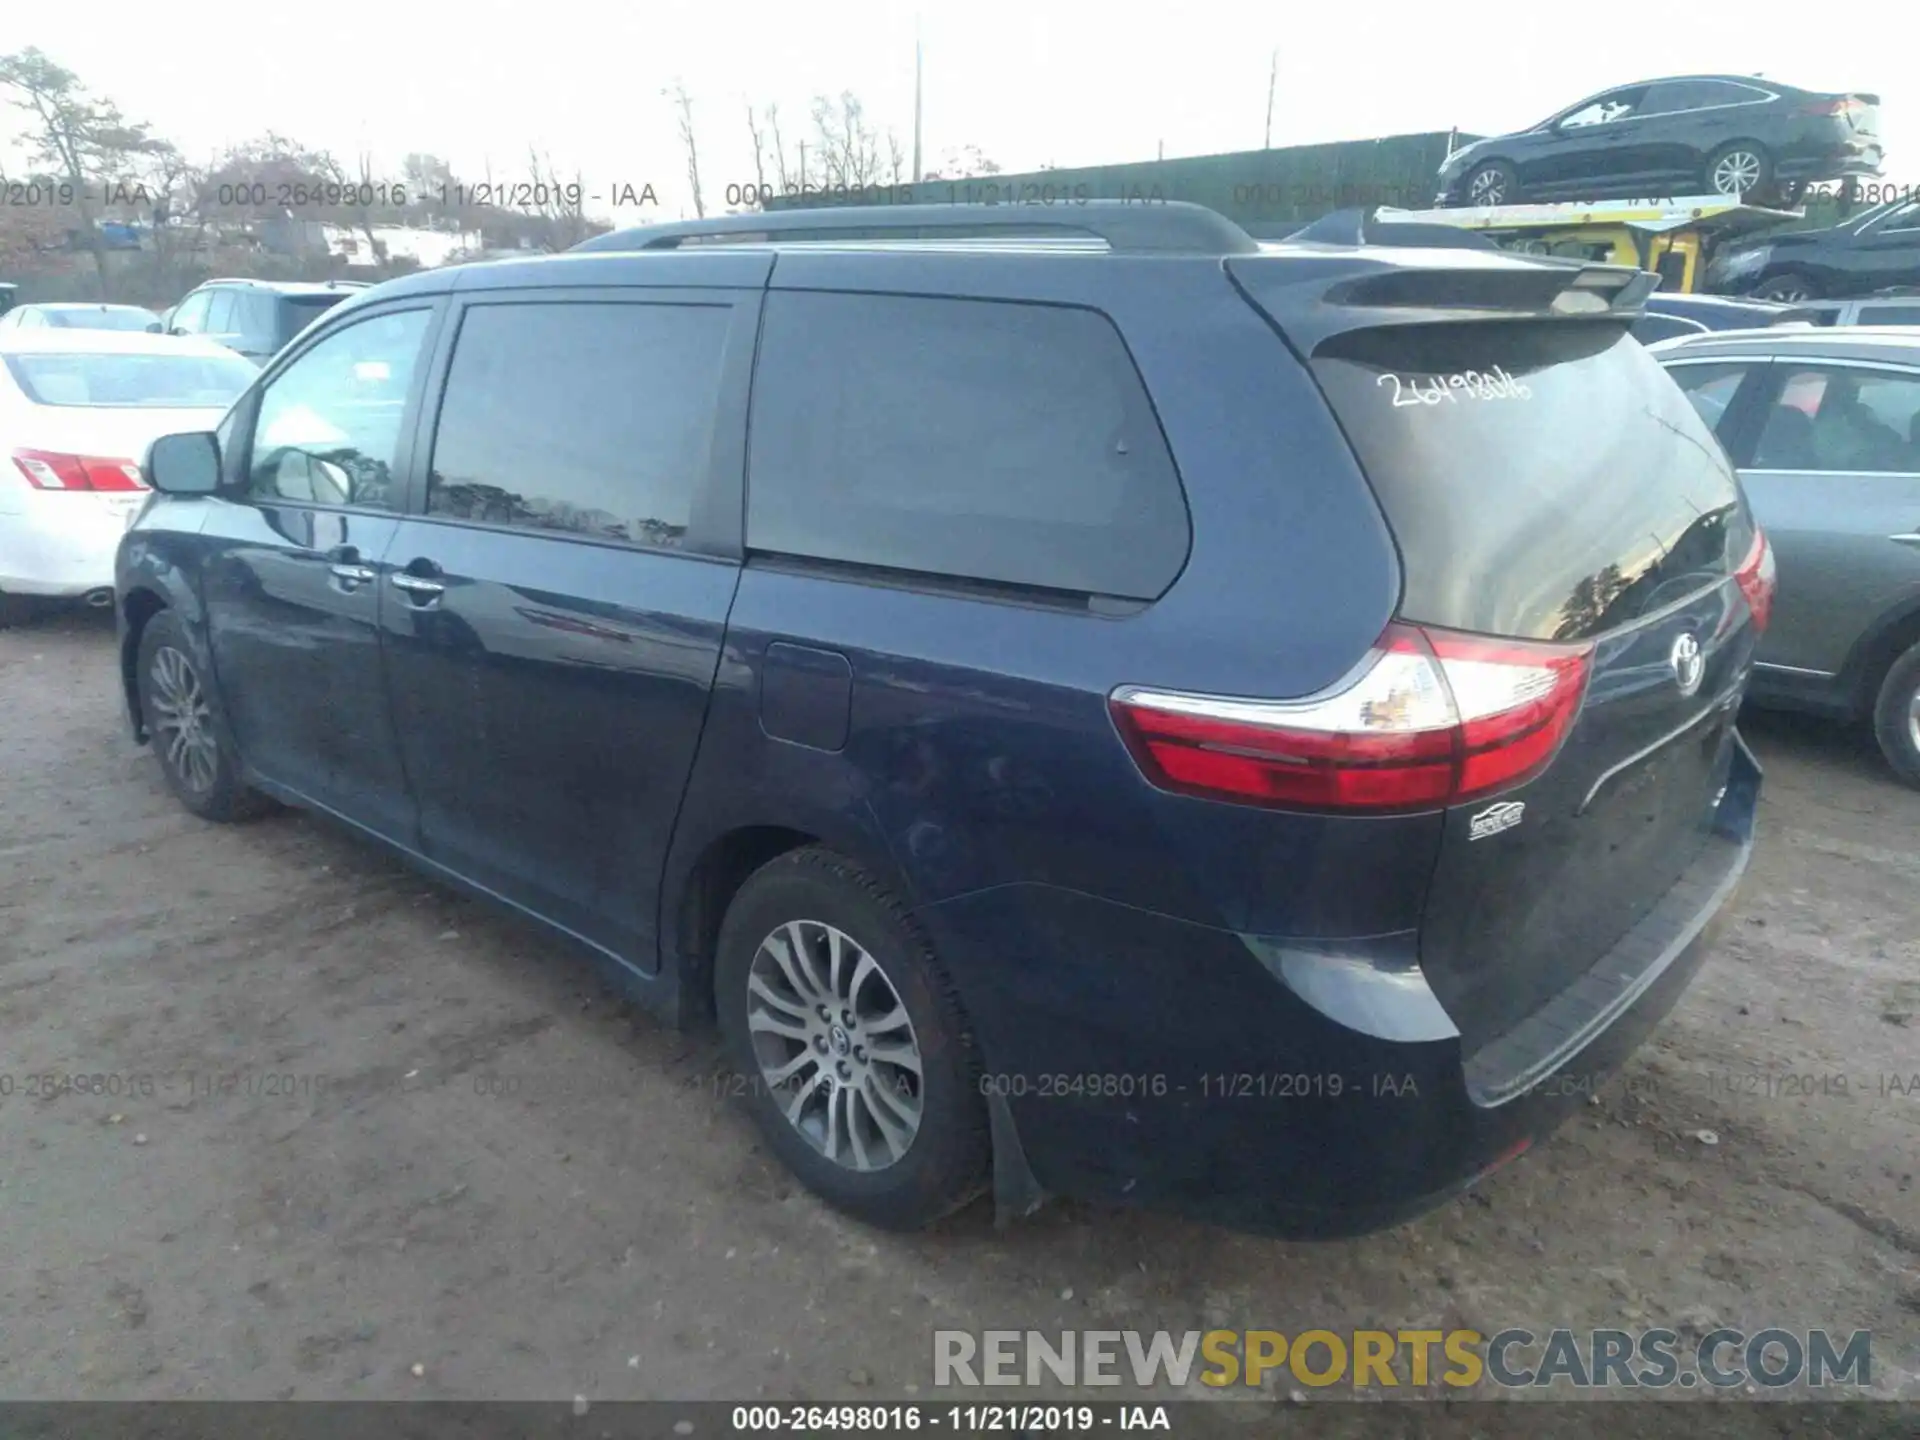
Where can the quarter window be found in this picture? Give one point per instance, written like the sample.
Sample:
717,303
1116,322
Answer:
328,430
1710,388
979,440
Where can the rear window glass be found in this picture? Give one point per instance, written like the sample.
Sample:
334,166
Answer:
977,440
1544,479
301,311
212,381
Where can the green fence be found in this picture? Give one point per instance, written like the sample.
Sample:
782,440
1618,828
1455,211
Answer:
1269,191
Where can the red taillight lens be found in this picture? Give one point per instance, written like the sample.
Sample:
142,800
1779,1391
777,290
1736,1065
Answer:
1756,578
1843,106
52,470
1433,718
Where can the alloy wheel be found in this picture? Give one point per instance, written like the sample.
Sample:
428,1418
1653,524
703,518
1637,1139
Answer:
1736,172
834,1045
1489,187
182,722
1913,718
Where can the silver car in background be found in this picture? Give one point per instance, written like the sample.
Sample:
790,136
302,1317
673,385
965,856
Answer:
1824,427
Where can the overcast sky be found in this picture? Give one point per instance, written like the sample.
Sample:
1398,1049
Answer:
1030,83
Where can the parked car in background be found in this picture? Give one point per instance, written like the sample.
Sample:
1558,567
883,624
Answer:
1825,427
1228,689
1870,252
77,409
1665,316
1896,305
69,316
255,318
1689,134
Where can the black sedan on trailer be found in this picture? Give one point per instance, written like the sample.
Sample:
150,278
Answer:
1689,134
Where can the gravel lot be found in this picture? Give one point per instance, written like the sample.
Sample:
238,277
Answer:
608,1226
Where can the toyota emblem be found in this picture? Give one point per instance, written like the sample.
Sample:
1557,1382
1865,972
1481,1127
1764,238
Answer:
1689,666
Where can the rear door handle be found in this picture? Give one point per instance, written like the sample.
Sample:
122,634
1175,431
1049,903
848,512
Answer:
416,585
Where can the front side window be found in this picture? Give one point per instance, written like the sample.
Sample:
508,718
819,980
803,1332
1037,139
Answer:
329,425
593,419
220,313
191,316
1843,419
1604,109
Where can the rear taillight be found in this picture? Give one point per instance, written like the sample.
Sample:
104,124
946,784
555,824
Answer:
1432,718
1844,105
52,470
1756,578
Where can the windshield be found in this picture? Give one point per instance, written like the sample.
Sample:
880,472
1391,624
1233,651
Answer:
180,381
103,317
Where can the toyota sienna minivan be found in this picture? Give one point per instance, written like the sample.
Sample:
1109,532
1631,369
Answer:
1088,703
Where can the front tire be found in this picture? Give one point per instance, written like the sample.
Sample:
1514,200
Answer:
1492,183
1896,717
860,1066
177,703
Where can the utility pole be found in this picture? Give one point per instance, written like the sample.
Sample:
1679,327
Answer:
1273,75
916,99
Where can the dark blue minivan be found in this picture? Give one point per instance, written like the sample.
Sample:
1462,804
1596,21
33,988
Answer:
1087,702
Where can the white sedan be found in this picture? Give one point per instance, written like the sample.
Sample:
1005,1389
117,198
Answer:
77,411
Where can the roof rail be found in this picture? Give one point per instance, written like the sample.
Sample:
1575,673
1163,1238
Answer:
1174,227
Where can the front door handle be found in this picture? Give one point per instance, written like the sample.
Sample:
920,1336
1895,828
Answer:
418,586
1912,537
352,574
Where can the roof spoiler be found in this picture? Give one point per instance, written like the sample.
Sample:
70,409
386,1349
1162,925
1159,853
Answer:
1364,287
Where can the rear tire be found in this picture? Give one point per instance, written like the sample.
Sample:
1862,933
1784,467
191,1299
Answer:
16,610
1790,286
862,1074
197,759
1896,717
1740,169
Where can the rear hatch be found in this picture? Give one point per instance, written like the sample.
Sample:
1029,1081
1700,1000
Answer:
1547,485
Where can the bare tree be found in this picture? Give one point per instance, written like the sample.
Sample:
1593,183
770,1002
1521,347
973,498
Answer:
849,149
81,138
779,149
683,102
172,183
759,139
362,189
896,159
560,203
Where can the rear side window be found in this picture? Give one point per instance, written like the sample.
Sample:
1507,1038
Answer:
594,419
1890,314
1710,388
1544,479
976,440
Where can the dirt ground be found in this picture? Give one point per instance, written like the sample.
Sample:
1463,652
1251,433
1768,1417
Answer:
608,1226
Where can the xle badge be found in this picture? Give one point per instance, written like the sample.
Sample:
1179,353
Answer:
1495,818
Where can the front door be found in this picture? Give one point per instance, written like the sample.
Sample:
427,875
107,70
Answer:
554,618
294,579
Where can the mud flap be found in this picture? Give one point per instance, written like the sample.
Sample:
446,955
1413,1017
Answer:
1016,1193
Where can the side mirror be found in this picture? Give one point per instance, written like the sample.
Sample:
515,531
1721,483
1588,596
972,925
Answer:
187,464
156,328
176,330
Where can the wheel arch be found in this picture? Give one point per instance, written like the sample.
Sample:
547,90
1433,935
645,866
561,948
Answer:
1874,652
138,606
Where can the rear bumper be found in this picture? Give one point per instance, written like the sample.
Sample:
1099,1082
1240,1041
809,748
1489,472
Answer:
1147,1061
61,545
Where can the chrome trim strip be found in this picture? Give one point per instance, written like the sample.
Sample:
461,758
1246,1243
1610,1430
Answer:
1795,669
1726,701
